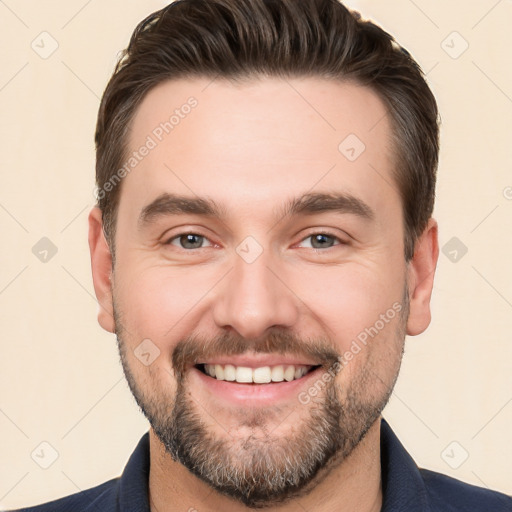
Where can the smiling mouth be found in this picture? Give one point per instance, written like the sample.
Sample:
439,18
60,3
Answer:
261,375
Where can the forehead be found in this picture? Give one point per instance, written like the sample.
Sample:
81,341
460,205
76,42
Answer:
254,141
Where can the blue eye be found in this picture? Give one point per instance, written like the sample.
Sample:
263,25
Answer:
189,241
322,240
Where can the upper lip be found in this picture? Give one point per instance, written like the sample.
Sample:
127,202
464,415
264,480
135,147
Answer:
259,360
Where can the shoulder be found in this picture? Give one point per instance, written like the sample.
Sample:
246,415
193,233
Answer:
448,494
102,497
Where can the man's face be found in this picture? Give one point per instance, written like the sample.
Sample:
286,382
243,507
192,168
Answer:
250,290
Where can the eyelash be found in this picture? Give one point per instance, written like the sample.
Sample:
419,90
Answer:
316,233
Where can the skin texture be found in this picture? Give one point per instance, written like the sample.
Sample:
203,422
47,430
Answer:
251,147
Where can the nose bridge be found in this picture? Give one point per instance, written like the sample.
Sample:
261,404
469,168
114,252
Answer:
253,298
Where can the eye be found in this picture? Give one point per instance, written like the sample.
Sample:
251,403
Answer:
189,241
322,240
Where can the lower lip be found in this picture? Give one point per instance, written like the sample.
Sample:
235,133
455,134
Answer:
253,394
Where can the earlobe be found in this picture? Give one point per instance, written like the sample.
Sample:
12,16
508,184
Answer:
101,265
421,270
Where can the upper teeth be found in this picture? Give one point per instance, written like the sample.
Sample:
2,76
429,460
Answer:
260,375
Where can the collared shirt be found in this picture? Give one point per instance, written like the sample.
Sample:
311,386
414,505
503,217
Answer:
406,488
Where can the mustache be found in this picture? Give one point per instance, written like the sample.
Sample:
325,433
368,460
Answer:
191,350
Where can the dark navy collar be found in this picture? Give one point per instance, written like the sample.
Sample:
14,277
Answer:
403,487
134,483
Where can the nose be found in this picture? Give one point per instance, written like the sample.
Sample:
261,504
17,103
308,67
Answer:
255,297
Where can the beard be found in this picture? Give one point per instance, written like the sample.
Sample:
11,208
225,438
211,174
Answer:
260,468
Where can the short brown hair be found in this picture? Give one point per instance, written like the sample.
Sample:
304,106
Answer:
236,39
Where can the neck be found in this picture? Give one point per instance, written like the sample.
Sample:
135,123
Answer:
354,485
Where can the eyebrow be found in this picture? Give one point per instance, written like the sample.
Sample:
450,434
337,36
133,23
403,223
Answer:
306,204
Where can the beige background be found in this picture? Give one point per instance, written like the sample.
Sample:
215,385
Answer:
60,378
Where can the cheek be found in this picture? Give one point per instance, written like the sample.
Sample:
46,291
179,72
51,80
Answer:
150,310
350,300
158,302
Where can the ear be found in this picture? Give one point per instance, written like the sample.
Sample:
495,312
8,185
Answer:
101,264
420,281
